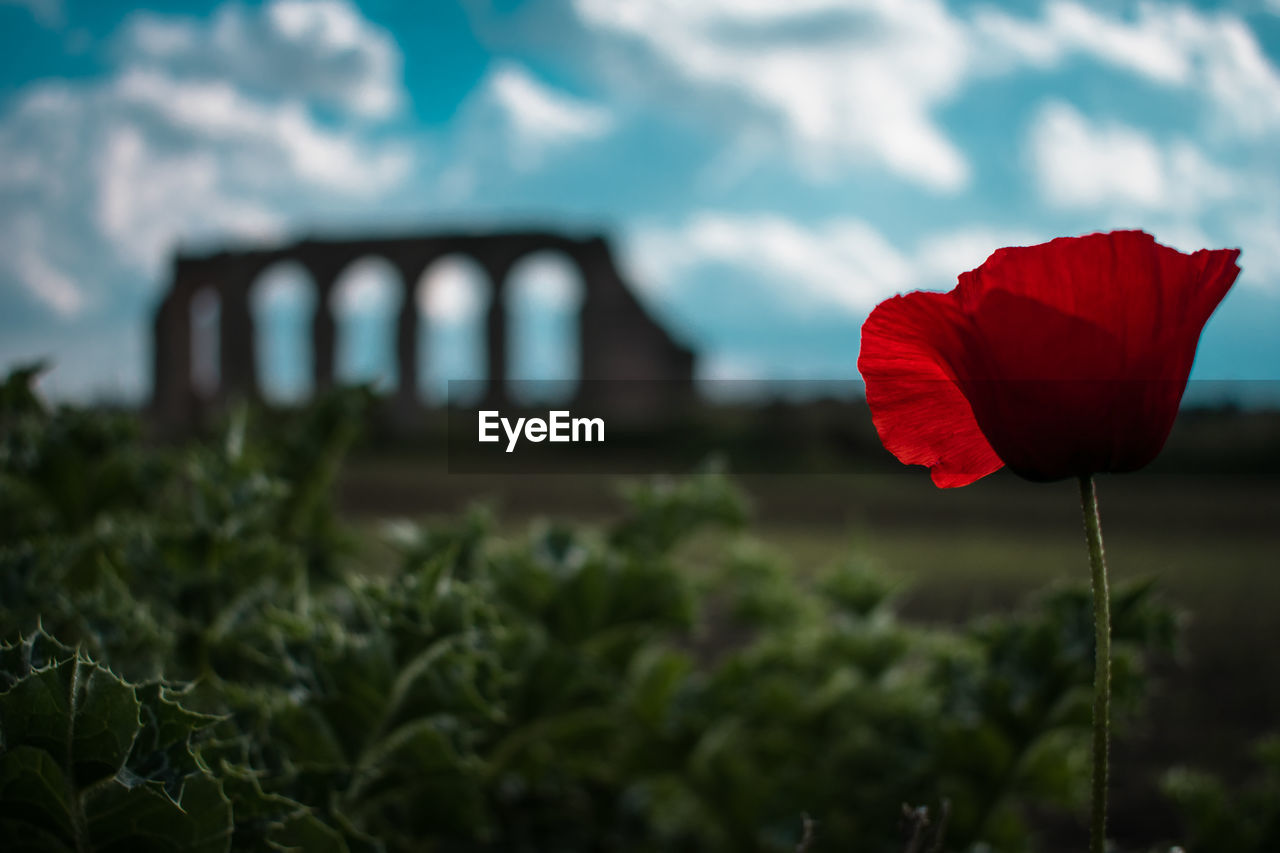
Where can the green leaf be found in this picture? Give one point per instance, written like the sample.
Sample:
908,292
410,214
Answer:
69,726
306,833
656,675
34,652
162,749
265,821
36,711
105,723
35,795
417,778
122,819
80,714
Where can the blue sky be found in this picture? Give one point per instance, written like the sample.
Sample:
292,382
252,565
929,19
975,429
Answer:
771,169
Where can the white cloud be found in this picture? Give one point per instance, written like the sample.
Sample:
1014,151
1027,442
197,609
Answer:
147,199
284,289
1154,45
835,82
1078,165
513,123
453,291
1259,234
456,289
845,264
939,258
277,135
25,246
314,49
1083,164
100,179
547,280
1214,54
541,117
370,287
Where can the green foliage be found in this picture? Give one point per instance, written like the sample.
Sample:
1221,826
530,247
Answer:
567,689
1019,705
91,762
1219,819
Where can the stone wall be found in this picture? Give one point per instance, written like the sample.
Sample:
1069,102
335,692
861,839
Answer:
619,340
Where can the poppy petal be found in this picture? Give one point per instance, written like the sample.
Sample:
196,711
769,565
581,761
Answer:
1112,280
1150,297
1042,386
1067,358
1197,284
922,416
1081,348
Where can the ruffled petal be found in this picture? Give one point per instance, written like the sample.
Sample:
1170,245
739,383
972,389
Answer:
1081,348
1111,280
1152,299
1061,359
1195,285
918,410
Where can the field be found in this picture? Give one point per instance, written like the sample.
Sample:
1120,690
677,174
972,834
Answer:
692,663
1211,543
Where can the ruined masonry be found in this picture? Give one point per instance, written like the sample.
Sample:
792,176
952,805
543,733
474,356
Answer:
619,340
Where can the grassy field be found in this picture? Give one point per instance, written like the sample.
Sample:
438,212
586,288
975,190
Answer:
1211,701
1211,543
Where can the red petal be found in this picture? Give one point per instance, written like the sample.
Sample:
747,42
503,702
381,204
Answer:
1195,284
1066,358
1080,348
921,415
1153,299
1042,386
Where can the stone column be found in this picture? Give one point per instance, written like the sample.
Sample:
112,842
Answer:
171,360
496,343
604,324
324,333
237,342
407,343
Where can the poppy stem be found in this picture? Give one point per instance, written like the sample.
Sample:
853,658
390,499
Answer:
1101,663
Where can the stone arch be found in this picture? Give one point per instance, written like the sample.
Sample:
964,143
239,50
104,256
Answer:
618,337
453,295
365,303
282,301
544,293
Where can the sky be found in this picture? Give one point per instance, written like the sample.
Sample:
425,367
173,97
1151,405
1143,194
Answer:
769,170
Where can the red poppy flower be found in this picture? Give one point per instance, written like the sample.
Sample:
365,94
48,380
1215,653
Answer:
1058,360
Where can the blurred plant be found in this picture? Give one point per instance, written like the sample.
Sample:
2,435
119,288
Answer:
1220,819
90,762
567,689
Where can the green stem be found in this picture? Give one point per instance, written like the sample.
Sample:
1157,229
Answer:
1101,663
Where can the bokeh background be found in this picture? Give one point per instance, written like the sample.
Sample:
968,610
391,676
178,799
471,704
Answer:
770,170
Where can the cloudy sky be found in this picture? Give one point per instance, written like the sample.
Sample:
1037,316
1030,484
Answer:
771,169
